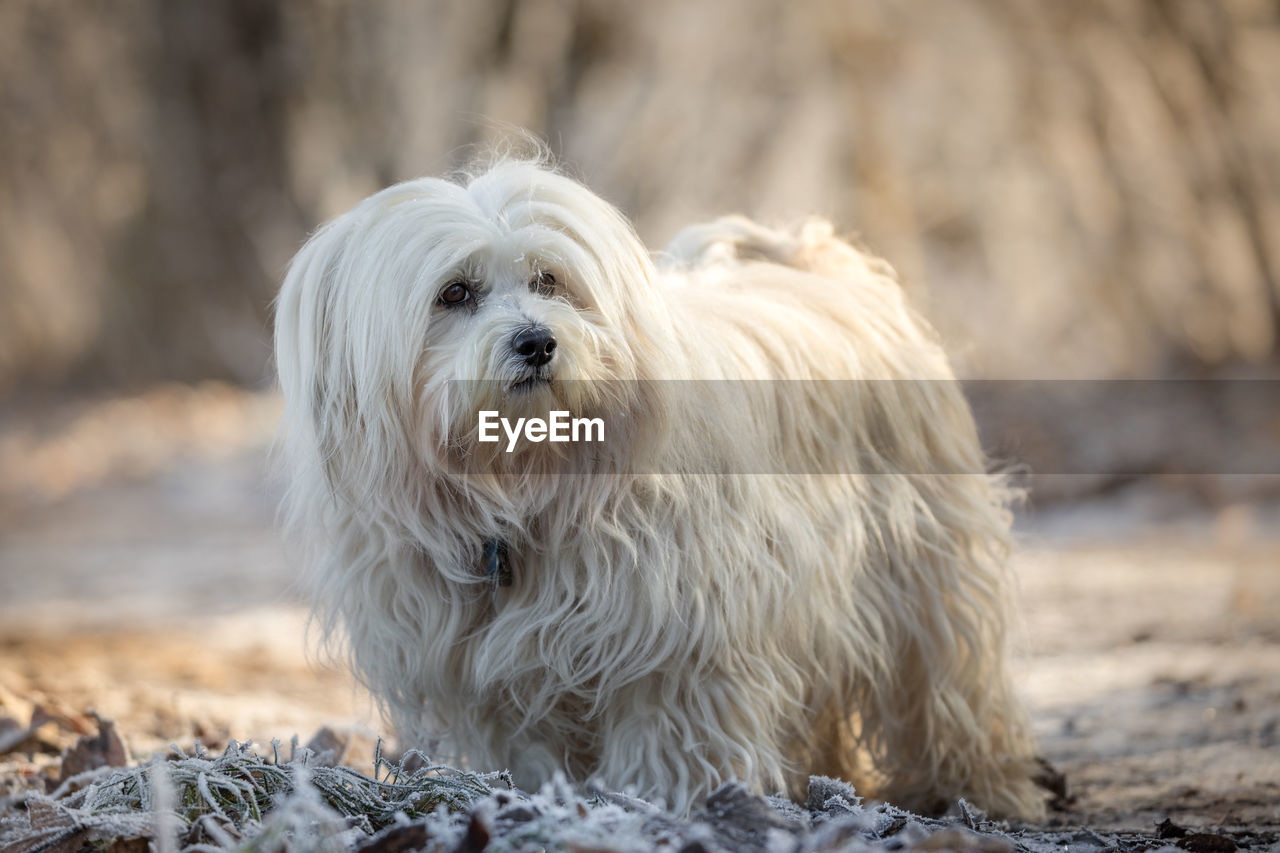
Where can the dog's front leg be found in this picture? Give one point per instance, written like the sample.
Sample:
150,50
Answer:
679,739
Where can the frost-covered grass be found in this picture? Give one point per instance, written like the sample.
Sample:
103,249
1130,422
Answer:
240,786
250,800
244,799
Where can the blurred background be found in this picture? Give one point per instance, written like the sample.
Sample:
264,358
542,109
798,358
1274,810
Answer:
1084,190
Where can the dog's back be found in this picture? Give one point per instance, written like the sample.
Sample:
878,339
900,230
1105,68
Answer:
811,246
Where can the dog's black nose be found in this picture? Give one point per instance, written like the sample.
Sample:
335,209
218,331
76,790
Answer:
535,344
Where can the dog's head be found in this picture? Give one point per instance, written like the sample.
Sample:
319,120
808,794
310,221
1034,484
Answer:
514,289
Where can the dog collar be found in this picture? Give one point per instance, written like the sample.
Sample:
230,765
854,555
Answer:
496,565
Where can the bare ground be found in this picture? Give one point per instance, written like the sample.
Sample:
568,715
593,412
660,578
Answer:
152,588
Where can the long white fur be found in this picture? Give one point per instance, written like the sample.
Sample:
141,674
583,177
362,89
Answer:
670,626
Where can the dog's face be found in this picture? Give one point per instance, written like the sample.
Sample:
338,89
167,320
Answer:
518,310
517,290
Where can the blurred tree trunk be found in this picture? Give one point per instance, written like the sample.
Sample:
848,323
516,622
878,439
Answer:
190,273
1084,188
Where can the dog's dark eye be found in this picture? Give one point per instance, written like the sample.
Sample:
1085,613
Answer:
544,283
455,294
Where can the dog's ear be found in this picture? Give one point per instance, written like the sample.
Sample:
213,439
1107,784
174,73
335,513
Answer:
301,317
343,412
304,338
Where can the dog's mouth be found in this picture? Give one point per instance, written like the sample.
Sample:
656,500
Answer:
535,378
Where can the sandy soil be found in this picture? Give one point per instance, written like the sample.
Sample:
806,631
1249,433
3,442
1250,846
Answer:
1153,664
142,578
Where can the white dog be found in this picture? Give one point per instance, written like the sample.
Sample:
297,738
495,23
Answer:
746,579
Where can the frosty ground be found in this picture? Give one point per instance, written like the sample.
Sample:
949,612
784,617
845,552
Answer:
145,581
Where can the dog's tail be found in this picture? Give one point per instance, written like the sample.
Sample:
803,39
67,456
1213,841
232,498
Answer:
811,246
